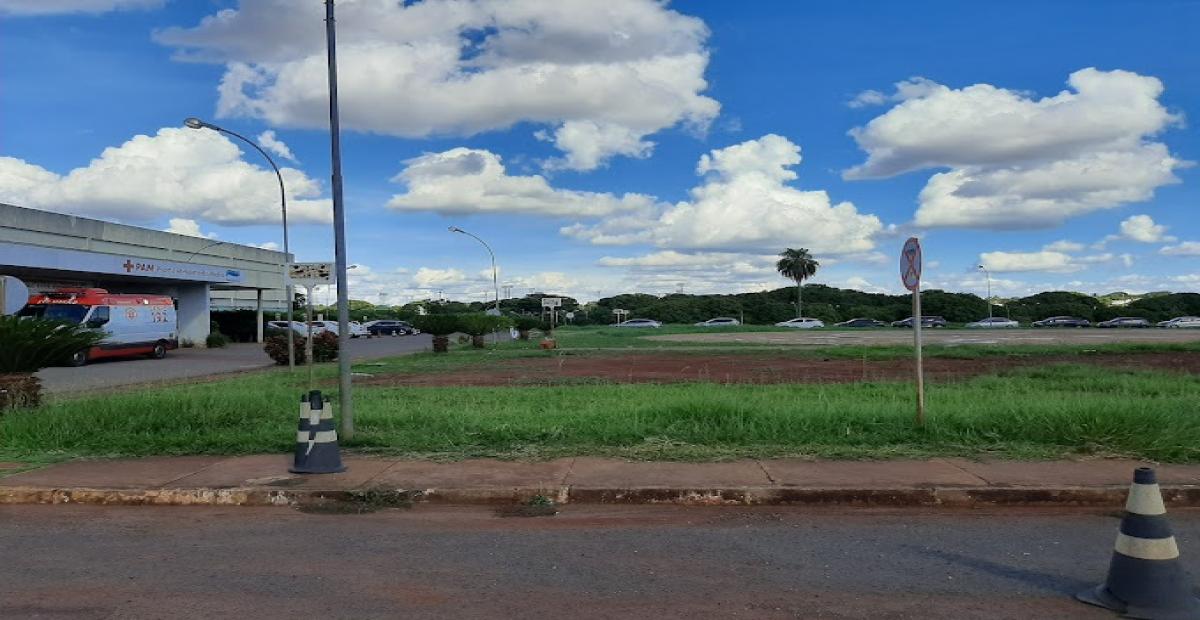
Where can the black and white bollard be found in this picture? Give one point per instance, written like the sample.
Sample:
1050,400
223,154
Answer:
316,441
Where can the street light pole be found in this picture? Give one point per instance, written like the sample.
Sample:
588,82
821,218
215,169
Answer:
345,399
988,275
196,123
495,280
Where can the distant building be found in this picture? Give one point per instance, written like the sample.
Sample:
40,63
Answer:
51,250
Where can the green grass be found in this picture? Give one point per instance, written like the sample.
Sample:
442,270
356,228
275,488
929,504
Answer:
1044,412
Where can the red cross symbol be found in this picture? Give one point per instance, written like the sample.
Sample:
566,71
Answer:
128,266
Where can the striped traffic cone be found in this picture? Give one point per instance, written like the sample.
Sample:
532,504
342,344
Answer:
316,441
1145,579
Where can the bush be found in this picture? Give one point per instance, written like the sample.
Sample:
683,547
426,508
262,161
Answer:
187,343
237,325
437,324
325,347
481,324
28,345
216,340
524,324
276,347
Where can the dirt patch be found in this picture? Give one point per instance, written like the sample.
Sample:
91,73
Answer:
757,369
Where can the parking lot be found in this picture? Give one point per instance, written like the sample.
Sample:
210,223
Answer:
194,363
898,336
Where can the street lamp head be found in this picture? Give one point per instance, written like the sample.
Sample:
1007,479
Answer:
455,229
195,123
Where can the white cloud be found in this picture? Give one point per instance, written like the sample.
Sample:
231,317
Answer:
269,141
426,277
908,89
1028,261
1045,260
464,181
868,98
1127,260
63,7
1186,248
177,172
1142,228
1063,245
1018,162
270,245
184,226
602,75
745,204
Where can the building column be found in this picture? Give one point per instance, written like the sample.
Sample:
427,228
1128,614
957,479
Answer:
193,313
258,313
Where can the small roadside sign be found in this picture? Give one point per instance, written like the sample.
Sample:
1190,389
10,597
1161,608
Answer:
552,302
311,274
910,275
13,295
910,264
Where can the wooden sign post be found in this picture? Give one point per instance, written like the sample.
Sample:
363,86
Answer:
910,275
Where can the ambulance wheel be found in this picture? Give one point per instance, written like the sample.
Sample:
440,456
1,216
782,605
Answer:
160,351
80,358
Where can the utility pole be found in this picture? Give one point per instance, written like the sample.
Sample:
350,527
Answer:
345,398
988,275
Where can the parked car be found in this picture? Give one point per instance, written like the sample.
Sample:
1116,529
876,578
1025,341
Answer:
926,321
801,323
357,329
391,328
1125,321
861,323
993,322
320,327
1181,322
721,321
639,323
133,325
297,326
1062,321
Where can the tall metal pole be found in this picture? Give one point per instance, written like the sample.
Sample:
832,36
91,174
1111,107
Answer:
495,280
988,275
345,398
916,308
289,290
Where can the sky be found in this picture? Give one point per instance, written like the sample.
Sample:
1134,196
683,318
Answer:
612,146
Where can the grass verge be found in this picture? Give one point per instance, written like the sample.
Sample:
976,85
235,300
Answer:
1045,412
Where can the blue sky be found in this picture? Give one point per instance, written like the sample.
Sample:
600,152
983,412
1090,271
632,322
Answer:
631,146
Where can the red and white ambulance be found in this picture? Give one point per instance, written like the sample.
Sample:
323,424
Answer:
132,324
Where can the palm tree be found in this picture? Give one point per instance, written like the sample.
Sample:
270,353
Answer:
798,266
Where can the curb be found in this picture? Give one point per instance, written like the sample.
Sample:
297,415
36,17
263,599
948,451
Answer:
934,497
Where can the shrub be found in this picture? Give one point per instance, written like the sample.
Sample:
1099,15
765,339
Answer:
525,324
478,325
325,347
187,343
276,348
28,345
216,340
437,324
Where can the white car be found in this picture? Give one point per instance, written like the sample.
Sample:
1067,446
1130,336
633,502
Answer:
297,326
639,323
320,327
721,321
801,323
994,322
358,329
1181,322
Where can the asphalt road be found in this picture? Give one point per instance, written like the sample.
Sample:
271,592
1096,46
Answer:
189,363
588,562
897,336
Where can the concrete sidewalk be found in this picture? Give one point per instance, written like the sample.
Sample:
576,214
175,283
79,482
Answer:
264,480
